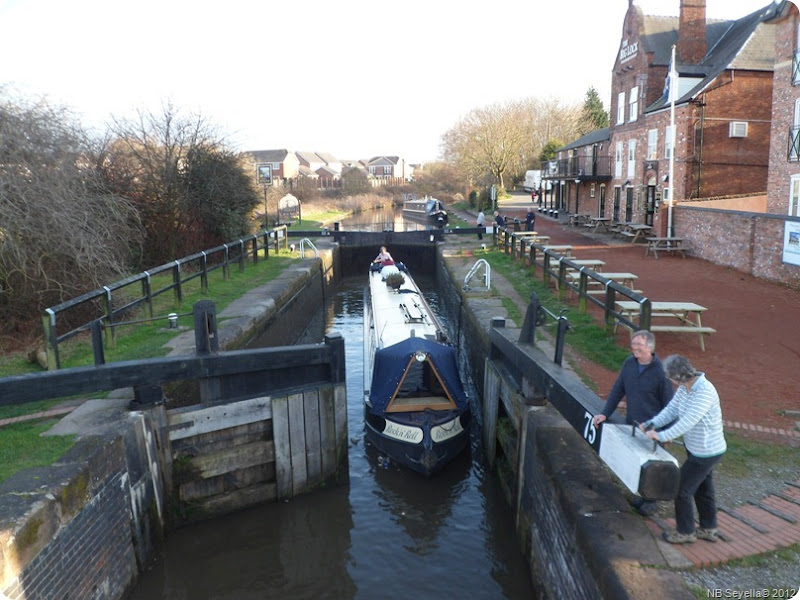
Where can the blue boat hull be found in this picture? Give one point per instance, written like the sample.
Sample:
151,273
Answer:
425,456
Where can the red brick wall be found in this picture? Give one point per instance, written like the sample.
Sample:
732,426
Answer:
783,99
745,241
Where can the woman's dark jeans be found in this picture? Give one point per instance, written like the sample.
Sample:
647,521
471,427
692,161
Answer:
697,484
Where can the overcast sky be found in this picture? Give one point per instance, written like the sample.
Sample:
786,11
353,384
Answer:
354,78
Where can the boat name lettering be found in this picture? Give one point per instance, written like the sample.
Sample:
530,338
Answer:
401,432
445,431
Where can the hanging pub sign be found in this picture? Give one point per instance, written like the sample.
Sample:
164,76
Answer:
264,174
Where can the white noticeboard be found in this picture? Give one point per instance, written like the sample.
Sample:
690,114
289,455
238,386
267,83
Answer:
791,243
625,453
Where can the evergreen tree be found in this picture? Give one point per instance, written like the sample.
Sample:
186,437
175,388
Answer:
595,116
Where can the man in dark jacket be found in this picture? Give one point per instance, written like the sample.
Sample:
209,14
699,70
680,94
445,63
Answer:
646,389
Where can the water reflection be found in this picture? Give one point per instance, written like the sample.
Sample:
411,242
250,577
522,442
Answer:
381,219
273,551
419,508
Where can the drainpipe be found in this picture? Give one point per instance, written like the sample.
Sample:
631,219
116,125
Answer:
700,149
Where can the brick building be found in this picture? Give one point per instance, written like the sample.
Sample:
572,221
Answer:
722,114
783,191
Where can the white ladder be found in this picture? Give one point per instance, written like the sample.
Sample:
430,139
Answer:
487,275
303,243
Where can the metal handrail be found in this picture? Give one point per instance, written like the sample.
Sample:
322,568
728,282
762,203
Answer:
303,243
487,274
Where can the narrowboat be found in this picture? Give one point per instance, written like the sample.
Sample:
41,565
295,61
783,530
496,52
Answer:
415,409
428,210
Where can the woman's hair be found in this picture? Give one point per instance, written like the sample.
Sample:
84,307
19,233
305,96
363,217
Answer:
678,368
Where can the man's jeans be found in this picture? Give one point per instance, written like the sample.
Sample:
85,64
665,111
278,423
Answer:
697,483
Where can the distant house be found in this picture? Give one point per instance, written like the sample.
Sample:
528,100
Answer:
386,167
311,160
331,162
283,163
327,173
306,172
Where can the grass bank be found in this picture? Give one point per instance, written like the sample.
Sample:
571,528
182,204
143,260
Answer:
21,445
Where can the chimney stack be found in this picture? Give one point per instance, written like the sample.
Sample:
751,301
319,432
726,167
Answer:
691,47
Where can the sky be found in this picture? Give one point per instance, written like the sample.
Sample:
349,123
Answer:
354,78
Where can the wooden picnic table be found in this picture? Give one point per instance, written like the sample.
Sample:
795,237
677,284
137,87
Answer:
564,250
596,222
626,279
639,230
595,263
687,313
579,219
665,244
633,231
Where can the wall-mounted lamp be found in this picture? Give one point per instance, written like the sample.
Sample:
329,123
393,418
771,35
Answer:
628,182
665,178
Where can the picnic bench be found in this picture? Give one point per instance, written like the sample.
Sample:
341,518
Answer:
579,219
564,250
632,231
665,244
687,314
597,222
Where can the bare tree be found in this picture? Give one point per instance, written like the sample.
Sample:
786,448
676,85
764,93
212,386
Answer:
61,232
492,143
153,150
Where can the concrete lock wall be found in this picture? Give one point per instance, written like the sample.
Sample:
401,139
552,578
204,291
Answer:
573,524
85,526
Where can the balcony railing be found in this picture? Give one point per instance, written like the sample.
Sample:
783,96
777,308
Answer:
589,168
794,144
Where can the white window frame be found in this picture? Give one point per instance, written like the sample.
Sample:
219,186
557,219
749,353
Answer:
794,196
618,160
669,141
631,159
620,108
794,151
633,104
652,144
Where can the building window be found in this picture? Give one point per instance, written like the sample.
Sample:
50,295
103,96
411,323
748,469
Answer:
633,101
591,191
621,108
652,144
618,160
669,140
796,58
794,196
794,134
738,129
631,159
796,67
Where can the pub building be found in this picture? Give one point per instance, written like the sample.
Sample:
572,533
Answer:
722,112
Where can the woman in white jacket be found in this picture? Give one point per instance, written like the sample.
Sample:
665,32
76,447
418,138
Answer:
695,414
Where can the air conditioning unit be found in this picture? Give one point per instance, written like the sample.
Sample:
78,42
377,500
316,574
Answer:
738,129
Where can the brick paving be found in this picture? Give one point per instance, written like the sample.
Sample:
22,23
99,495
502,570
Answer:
744,531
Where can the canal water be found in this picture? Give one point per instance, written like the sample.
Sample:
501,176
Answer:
387,533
